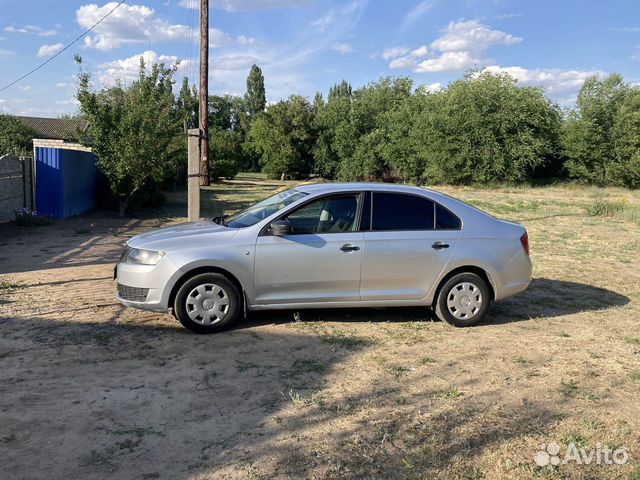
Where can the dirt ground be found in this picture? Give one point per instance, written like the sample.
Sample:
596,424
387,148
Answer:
89,389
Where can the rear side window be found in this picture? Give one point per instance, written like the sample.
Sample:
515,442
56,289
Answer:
397,211
445,220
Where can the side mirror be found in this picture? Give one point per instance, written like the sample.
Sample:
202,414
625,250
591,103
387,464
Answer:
280,228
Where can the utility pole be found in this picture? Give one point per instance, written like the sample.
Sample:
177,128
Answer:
204,92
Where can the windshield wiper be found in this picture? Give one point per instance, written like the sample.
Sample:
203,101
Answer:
220,221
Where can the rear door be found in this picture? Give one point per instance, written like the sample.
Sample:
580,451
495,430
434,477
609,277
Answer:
319,261
408,242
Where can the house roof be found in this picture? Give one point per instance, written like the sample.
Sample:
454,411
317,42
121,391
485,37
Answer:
56,128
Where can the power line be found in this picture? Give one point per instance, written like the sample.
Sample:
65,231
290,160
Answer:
65,48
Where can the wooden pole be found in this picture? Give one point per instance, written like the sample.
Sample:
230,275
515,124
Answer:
204,92
193,175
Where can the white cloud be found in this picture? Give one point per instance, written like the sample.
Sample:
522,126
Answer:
419,52
244,40
324,22
508,16
342,48
128,69
430,88
48,50
25,88
6,52
462,45
217,38
248,5
417,12
61,84
31,29
394,52
447,62
471,36
553,80
129,24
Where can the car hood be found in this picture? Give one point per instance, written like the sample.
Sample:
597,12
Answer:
182,236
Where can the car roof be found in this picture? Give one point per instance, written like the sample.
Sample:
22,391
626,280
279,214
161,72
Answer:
342,187
321,188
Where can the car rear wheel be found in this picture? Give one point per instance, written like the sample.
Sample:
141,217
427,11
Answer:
463,300
207,303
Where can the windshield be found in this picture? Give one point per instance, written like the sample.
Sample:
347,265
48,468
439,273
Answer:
263,209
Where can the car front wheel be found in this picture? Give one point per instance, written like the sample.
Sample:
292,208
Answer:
207,303
463,300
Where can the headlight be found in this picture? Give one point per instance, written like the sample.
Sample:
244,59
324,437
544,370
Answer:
142,257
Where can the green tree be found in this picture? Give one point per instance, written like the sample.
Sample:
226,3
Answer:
370,110
15,137
483,128
256,95
187,107
283,137
588,135
133,130
625,169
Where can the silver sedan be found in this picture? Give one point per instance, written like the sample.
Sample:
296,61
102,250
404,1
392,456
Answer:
329,246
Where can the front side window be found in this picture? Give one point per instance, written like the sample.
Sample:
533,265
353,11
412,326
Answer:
263,209
397,211
337,214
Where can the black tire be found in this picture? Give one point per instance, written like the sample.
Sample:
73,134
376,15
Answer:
473,314
198,325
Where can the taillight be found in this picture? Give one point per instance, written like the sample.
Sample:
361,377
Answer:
524,240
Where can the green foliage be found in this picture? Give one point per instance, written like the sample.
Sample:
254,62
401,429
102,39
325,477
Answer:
15,137
602,134
225,153
134,131
256,96
283,137
482,128
27,218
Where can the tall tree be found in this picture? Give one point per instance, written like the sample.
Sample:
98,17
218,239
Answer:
133,130
256,95
283,136
588,135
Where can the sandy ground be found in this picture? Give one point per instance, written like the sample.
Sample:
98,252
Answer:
89,389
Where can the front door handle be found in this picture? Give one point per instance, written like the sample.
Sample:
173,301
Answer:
439,245
349,248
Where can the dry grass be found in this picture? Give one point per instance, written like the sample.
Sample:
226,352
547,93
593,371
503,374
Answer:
93,390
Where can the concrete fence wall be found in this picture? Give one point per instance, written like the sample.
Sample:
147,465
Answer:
15,186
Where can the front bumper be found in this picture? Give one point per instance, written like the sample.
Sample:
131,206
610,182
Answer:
144,286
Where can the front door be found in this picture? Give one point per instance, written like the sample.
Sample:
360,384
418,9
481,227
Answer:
319,261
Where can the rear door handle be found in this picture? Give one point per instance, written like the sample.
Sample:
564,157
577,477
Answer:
349,248
439,245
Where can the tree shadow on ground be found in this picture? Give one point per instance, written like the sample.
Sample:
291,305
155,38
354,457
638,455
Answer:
545,298
152,401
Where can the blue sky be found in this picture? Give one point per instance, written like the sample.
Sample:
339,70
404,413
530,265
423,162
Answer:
307,45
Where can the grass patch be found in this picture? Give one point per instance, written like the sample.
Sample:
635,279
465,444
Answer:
451,393
620,209
426,361
5,286
569,389
572,437
307,365
632,340
350,342
27,218
635,376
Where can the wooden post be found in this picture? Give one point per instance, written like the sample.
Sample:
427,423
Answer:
204,92
193,175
